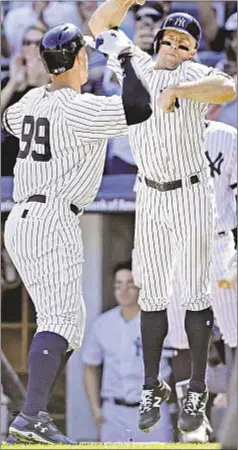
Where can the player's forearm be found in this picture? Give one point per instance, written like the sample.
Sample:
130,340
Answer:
135,93
110,14
92,385
6,95
214,89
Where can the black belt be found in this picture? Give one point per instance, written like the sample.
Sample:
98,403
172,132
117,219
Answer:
42,199
170,186
119,401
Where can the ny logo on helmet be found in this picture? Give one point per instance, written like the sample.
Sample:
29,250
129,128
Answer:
180,22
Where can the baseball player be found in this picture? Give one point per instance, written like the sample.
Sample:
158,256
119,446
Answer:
114,341
220,147
175,200
62,147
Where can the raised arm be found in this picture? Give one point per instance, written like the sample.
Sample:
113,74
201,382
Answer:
204,84
110,14
106,117
214,89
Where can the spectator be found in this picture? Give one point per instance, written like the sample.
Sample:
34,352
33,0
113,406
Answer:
16,4
229,63
227,112
214,31
115,342
148,19
85,11
49,13
167,6
96,60
26,72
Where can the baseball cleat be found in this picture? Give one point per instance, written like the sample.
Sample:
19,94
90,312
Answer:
151,398
40,428
193,413
199,436
12,440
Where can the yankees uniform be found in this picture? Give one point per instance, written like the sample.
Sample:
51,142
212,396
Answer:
220,146
116,344
62,154
62,139
175,205
177,222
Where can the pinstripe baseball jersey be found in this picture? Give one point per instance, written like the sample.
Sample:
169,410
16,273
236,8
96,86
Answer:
220,147
62,139
169,145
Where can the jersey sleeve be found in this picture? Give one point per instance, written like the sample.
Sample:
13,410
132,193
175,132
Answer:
13,116
97,117
92,351
196,71
142,60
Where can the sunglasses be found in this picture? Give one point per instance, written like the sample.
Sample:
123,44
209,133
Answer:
180,46
154,17
28,42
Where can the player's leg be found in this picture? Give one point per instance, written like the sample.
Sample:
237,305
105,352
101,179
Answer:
60,371
225,311
197,234
44,360
224,299
153,271
181,362
178,341
11,439
57,297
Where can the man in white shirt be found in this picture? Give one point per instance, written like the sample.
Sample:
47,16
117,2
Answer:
114,341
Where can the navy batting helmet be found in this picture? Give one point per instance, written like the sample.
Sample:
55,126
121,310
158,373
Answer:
59,47
179,22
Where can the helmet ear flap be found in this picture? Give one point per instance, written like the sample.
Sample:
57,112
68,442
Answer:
157,39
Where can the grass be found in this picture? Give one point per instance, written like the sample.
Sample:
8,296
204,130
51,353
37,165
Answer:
102,446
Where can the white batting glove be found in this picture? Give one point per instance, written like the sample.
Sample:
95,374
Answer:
90,41
113,42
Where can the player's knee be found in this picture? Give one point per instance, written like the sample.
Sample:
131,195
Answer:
199,303
151,304
197,319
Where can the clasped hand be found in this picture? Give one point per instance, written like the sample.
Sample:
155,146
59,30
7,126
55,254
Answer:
113,42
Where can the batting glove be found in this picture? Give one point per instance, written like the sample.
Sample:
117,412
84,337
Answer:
89,41
113,43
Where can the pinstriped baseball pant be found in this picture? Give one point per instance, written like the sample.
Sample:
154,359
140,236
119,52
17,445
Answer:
46,248
171,227
224,301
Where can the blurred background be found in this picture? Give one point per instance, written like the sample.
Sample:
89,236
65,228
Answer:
108,225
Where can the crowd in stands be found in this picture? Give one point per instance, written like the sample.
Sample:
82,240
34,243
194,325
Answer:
23,24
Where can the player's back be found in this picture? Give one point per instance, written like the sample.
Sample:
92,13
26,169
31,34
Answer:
220,146
62,139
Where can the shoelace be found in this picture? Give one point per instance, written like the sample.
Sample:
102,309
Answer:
146,400
193,403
